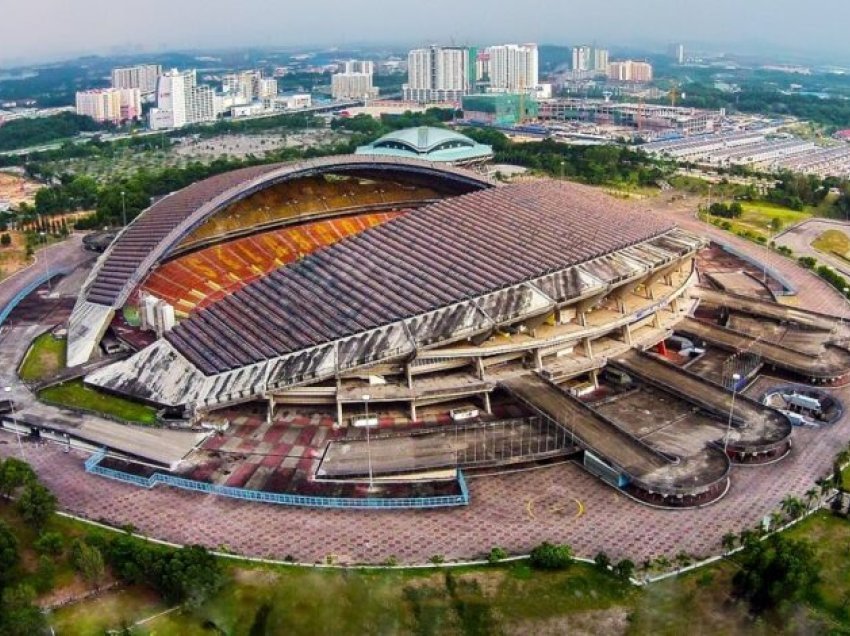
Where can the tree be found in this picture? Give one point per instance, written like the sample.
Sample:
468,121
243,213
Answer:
19,616
36,504
13,474
728,541
602,560
775,225
50,543
5,239
88,561
793,507
191,575
10,554
774,571
547,556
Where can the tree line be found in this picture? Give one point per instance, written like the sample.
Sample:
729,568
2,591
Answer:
24,132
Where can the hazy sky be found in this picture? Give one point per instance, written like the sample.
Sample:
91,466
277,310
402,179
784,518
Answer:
37,29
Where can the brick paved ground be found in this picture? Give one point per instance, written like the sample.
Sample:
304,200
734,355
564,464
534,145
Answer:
515,511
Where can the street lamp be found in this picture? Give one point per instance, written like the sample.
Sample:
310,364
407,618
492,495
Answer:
46,261
735,378
366,397
7,390
123,209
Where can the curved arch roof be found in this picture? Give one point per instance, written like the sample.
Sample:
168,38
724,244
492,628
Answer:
160,228
438,144
424,138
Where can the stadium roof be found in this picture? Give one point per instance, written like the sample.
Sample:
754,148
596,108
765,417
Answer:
448,271
161,227
434,144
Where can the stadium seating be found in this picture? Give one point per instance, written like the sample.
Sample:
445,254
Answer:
305,197
193,281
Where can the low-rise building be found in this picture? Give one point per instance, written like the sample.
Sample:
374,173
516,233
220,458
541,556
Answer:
114,105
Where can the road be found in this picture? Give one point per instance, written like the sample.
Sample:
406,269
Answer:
800,237
813,292
67,255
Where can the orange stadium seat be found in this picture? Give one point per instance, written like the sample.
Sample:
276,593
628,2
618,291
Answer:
195,280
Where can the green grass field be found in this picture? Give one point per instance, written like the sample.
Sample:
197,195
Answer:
758,216
833,242
45,357
77,394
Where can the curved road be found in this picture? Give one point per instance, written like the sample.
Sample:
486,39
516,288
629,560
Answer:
800,237
67,255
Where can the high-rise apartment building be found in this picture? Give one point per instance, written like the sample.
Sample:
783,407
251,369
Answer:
630,71
180,101
582,58
245,84
355,81
110,104
677,53
590,58
142,77
440,74
513,67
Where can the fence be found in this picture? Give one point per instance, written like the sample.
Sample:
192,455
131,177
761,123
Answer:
26,291
92,466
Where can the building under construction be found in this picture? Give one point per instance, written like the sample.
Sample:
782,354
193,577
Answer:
649,117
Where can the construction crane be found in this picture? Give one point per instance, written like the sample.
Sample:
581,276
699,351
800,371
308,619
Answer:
674,93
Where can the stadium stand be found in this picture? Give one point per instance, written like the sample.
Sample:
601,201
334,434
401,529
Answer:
195,280
306,198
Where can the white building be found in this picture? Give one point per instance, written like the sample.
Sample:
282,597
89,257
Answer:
590,58
513,67
353,86
143,77
359,66
582,58
439,74
110,104
180,101
268,88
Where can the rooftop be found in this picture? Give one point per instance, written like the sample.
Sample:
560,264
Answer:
426,142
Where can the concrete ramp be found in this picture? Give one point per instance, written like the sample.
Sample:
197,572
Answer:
833,363
765,308
591,430
757,428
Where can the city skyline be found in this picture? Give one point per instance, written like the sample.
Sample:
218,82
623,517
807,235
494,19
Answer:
757,25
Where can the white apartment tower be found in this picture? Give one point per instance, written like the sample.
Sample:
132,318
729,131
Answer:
513,67
142,77
180,101
582,58
355,82
439,74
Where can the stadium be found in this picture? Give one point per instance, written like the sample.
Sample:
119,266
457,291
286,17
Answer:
490,325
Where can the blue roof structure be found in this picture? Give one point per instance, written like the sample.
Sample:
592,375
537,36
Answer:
439,145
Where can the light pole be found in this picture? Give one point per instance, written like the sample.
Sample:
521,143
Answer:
8,390
123,209
366,397
46,261
735,378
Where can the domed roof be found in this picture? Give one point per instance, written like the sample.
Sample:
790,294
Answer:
428,142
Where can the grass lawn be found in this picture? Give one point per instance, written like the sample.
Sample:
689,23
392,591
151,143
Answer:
757,218
77,394
44,358
833,242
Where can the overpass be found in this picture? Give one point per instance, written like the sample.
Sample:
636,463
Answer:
766,309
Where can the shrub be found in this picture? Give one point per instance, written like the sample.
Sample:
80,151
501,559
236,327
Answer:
547,556
496,555
50,543
807,261
624,570
602,560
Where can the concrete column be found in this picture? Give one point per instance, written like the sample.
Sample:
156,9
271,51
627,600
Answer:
594,377
338,412
270,410
409,375
656,320
487,407
582,318
588,348
479,368
412,411
627,334
538,360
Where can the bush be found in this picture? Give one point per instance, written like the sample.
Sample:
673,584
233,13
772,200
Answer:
50,543
808,262
602,560
624,570
36,505
496,555
5,239
547,556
